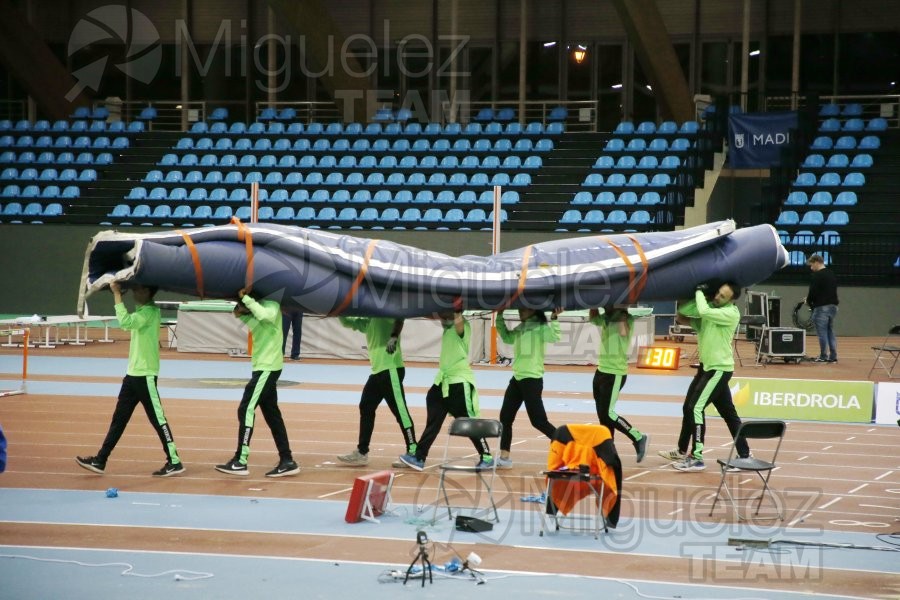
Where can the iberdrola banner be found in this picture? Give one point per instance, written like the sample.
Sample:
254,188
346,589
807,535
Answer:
803,400
755,139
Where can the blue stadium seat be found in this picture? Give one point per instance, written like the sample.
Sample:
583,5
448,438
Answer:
829,179
830,125
870,142
855,124
845,199
862,161
593,217
340,196
521,179
796,199
854,178
660,180
877,124
614,145
637,145
648,162
30,191
624,128
788,217
437,179
501,179
616,217
803,237
845,142
812,217
285,213
805,180
638,180
202,213
650,199
837,218
829,110
509,197
299,196
402,197
70,192
53,209
852,109
814,161
582,198
138,193
820,198
570,217
616,180
829,237
375,179
626,162
639,217
389,215
238,195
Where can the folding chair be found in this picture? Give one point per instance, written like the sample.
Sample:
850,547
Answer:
736,466
889,347
474,430
582,463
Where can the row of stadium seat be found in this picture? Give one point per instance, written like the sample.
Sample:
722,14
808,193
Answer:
679,144
62,158
830,179
287,213
48,174
839,161
200,194
821,198
596,216
813,218
32,209
35,191
846,142
73,127
357,178
620,180
854,124
805,237
628,162
609,198
328,161
650,128
366,145
315,129
852,109
63,141
798,258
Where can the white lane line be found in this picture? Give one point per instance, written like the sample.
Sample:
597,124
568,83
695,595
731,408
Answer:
675,512
343,491
636,475
830,502
746,481
878,506
857,488
147,503
826,448
799,519
852,437
883,475
802,458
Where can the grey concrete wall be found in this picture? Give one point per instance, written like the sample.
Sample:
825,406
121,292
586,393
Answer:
41,267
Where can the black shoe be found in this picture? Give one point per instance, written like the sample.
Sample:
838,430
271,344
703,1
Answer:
640,447
91,463
169,469
284,468
832,360
820,359
233,467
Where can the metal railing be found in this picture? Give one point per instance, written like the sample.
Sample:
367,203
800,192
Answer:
13,110
581,114
884,106
306,112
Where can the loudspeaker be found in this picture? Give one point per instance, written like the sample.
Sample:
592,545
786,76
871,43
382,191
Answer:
471,524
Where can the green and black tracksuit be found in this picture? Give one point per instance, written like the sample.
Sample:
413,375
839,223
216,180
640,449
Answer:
453,391
139,384
264,322
385,382
527,384
715,327
612,372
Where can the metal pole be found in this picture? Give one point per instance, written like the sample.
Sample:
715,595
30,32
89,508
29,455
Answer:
454,18
795,63
185,67
523,54
270,43
745,56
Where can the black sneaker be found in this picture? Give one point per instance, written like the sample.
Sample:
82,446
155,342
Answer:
233,467
640,447
169,469
91,463
284,468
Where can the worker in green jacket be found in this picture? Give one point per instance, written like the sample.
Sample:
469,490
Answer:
384,383
715,323
453,391
263,318
616,331
529,339
139,384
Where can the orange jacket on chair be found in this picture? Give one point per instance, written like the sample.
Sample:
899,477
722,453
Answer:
592,445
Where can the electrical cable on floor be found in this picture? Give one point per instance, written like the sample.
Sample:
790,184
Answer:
179,574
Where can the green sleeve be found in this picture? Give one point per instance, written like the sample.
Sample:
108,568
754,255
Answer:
130,321
689,309
505,334
355,323
717,316
551,333
260,311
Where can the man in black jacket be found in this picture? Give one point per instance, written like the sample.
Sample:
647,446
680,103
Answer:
822,298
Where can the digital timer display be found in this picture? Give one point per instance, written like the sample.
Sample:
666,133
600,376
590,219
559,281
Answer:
658,357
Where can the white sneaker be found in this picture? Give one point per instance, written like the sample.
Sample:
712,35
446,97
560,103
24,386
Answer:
354,459
673,455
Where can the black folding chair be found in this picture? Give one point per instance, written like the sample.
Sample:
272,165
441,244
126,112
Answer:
887,353
748,322
471,429
570,479
736,466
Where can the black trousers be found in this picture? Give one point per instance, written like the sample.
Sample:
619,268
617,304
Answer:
606,393
459,404
261,391
528,391
388,386
708,387
292,319
139,390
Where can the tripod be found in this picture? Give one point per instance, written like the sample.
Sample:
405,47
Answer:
422,557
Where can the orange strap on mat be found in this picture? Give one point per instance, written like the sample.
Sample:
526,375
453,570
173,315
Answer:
634,287
645,270
523,276
246,236
351,293
195,257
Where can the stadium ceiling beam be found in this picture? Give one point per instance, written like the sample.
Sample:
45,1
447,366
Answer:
35,67
311,21
654,49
